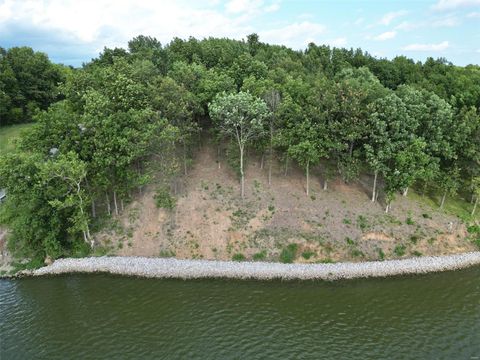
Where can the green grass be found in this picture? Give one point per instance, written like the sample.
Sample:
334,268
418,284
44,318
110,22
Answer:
8,134
289,253
399,250
260,256
308,254
453,205
238,257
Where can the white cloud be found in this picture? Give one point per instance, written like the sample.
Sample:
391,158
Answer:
474,15
298,34
427,47
449,21
443,5
250,6
112,23
406,26
389,17
386,36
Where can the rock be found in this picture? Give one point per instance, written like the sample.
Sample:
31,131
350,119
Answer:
48,260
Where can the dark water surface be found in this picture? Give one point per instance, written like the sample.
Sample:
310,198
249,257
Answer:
105,317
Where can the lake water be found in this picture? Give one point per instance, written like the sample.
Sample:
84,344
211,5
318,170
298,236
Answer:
106,317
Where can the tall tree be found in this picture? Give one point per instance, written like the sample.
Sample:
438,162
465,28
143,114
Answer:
242,117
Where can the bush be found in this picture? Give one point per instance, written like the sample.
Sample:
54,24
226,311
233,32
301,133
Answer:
238,257
163,199
308,254
362,222
399,250
289,253
260,255
381,255
409,221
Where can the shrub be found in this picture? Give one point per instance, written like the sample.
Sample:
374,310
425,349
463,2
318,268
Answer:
238,257
163,199
357,253
381,255
260,255
349,241
289,253
346,221
416,253
308,254
409,221
399,250
362,222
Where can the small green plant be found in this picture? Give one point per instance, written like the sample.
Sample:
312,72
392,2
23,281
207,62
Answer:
327,261
349,241
409,221
260,256
346,221
426,216
308,254
362,222
381,254
289,253
163,199
271,208
166,253
400,250
238,257
313,197
414,239
416,253
356,253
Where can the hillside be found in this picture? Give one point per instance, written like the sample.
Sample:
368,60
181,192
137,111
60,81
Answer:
210,221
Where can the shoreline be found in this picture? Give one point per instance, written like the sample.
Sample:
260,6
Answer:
169,268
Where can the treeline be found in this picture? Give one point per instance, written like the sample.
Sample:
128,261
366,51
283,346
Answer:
132,116
28,83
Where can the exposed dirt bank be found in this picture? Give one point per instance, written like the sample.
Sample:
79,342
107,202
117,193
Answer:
210,221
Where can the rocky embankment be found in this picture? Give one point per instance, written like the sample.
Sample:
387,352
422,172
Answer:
195,269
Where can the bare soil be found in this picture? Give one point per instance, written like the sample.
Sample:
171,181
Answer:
211,221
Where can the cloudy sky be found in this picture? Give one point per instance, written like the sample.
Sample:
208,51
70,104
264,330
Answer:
74,31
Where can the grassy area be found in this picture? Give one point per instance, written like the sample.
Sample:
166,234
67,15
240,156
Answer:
453,205
8,134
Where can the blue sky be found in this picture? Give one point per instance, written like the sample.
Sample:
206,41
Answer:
73,32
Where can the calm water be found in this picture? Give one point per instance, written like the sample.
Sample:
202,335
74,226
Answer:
105,317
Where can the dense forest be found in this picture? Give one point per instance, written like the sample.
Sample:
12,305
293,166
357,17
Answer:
132,117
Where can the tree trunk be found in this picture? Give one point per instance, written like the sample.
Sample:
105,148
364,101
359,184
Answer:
308,178
270,160
218,156
185,158
286,165
261,161
94,209
242,177
374,192
443,199
387,208
405,191
109,210
350,149
475,206
115,202
121,205
325,184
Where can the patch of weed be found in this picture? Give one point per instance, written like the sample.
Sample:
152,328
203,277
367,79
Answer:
289,253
